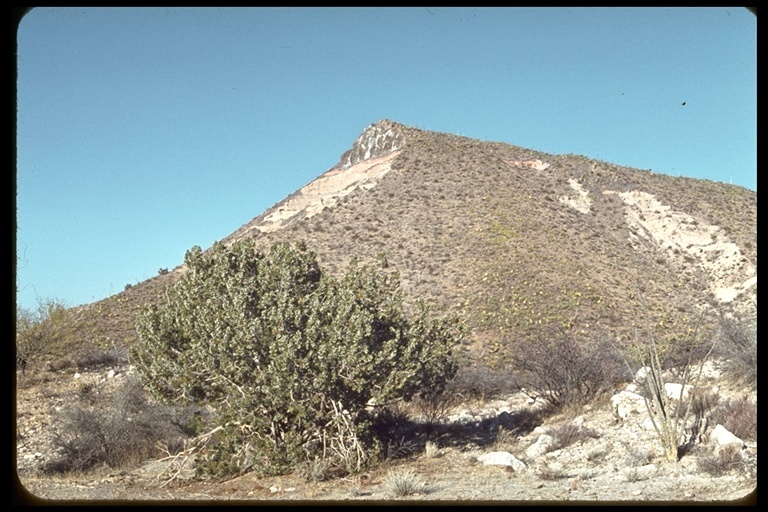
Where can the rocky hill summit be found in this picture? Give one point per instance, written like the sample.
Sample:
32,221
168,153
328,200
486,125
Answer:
377,140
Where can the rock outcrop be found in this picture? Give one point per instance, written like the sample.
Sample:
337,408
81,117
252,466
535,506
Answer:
379,139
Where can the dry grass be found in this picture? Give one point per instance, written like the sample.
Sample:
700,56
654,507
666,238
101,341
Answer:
721,462
402,481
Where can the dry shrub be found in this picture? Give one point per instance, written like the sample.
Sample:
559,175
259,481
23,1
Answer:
434,407
564,373
722,461
402,481
738,346
399,449
570,433
553,472
124,432
478,382
93,357
739,417
506,440
315,470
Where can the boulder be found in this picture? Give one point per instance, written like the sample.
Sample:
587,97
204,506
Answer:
502,459
540,447
626,403
721,438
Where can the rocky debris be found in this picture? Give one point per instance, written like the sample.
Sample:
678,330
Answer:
625,403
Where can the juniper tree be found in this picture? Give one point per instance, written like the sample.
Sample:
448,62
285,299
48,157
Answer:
288,355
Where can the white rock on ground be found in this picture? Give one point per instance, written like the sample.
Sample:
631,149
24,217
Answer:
502,459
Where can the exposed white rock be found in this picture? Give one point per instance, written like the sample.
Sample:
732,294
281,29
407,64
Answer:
722,438
502,459
625,403
540,447
683,238
582,203
675,390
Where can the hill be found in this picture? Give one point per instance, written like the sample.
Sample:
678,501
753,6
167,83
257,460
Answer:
511,239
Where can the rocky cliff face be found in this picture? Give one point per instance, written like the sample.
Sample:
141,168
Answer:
378,140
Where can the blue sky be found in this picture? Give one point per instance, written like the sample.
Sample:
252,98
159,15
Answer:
142,132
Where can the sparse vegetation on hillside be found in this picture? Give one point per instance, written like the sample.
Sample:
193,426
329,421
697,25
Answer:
40,332
289,355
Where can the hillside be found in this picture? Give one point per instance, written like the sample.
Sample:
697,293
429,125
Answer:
511,239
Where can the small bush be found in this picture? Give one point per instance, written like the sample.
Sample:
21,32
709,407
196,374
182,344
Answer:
721,462
481,383
506,440
400,448
739,417
564,373
93,357
568,434
738,346
315,470
39,332
553,472
434,407
402,481
123,432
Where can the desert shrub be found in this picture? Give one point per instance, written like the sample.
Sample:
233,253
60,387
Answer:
92,357
700,404
481,383
402,481
400,448
568,434
433,407
39,332
505,440
118,433
738,346
555,367
289,355
553,472
721,461
739,417
315,470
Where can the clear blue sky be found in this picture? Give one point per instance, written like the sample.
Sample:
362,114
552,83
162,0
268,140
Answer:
142,132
